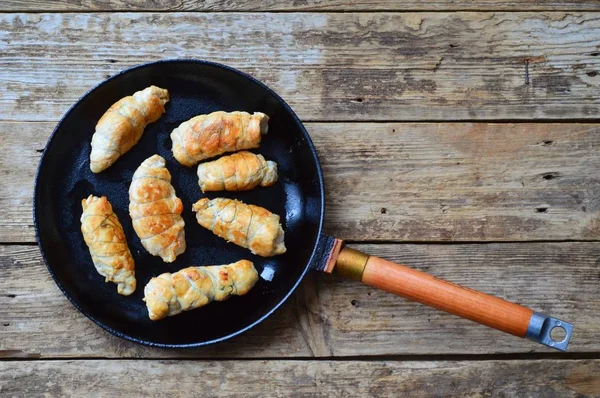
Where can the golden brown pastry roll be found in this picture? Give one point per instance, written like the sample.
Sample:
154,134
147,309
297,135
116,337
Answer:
252,227
194,287
107,242
206,136
121,127
237,172
156,210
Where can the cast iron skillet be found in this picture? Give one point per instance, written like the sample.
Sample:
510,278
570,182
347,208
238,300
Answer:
64,178
200,87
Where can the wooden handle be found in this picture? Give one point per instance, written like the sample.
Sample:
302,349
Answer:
429,290
426,289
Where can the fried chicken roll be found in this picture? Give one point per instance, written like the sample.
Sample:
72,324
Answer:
240,171
107,243
194,287
123,124
156,210
249,226
206,136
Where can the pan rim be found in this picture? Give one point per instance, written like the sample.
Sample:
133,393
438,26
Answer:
313,152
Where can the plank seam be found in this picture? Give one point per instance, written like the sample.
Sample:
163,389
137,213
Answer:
408,242
316,11
467,242
367,358
593,120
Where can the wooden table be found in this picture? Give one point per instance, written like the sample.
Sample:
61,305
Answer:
460,137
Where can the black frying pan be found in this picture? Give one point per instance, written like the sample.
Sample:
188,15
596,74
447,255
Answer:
200,87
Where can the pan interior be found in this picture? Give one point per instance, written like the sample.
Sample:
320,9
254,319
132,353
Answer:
64,179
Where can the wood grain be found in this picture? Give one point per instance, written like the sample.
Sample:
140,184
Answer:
370,86
461,182
328,66
544,378
283,5
331,316
408,181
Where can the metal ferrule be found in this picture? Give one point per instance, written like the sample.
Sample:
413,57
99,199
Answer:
541,327
351,263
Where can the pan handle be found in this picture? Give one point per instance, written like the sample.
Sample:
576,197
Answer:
467,303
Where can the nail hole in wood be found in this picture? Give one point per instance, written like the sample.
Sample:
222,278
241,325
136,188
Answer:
11,295
452,45
383,210
438,65
358,99
592,73
6,324
39,150
550,176
547,142
112,61
595,54
355,303
541,209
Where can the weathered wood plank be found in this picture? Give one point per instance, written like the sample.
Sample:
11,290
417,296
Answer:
283,5
461,182
329,66
333,317
408,181
544,378
26,143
